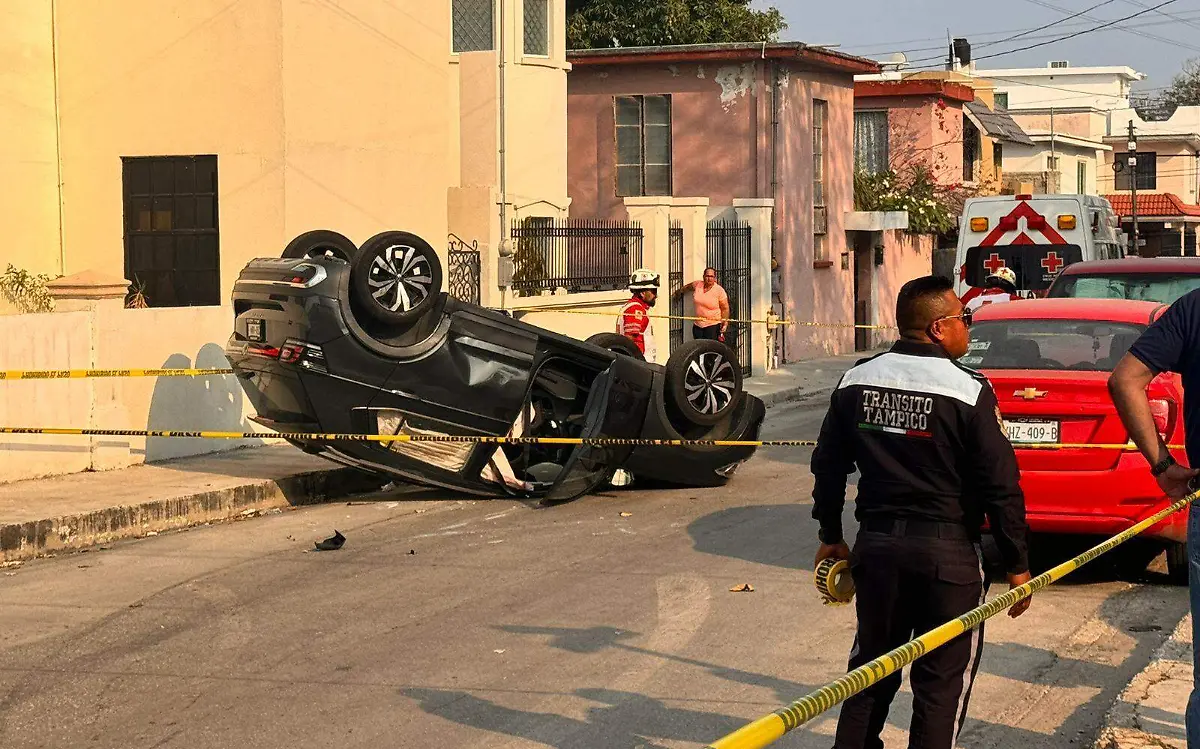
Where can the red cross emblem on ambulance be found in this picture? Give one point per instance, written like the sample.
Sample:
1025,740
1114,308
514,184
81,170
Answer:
993,263
1052,262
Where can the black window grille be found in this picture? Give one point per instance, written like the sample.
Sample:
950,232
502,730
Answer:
1147,171
172,241
575,254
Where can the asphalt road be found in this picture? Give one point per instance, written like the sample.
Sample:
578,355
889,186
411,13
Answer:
606,622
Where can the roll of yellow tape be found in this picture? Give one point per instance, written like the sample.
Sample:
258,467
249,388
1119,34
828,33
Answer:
833,581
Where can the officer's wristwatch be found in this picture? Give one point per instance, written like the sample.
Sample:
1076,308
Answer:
828,537
1161,466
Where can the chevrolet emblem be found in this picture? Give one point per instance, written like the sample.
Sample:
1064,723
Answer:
1029,393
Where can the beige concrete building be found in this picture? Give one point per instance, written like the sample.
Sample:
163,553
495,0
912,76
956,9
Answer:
171,142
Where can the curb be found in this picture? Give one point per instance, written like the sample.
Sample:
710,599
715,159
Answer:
793,395
1123,723
30,539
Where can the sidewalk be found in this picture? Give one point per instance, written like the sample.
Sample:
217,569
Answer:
1149,713
63,513
815,378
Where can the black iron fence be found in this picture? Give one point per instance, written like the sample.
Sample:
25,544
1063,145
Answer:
463,264
575,254
728,250
675,283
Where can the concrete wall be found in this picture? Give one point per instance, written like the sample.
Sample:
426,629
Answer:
714,140
814,285
906,256
1101,90
28,150
111,338
921,133
1090,125
1029,159
1175,163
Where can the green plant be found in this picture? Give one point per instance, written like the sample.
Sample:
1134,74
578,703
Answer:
932,208
25,290
529,262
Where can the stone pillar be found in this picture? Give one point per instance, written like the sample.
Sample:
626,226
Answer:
757,213
654,215
692,215
97,294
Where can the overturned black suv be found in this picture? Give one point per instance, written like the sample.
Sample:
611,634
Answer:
336,338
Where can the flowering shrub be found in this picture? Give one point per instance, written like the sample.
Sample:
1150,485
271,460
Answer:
932,208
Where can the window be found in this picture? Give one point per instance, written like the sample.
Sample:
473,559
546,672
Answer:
1079,345
871,142
537,27
1052,163
1147,171
643,145
1001,100
820,111
997,156
472,21
971,146
171,242
1081,177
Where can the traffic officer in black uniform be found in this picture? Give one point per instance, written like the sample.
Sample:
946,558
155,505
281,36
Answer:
926,436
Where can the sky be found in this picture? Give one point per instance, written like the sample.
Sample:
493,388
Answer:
1153,43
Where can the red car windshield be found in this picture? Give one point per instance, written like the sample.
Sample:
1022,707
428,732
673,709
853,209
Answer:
1080,345
1146,287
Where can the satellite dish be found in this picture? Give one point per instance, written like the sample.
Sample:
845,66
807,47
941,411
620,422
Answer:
896,60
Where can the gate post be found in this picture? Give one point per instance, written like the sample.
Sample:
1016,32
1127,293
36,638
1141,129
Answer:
692,215
757,213
653,214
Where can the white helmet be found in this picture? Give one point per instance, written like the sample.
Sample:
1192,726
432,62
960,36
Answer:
643,279
1005,274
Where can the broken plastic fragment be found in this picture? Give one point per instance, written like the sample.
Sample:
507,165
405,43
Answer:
743,588
333,543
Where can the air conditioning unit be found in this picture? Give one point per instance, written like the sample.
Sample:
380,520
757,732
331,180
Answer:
1060,63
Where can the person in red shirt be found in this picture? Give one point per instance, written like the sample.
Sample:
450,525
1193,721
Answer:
634,322
1001,286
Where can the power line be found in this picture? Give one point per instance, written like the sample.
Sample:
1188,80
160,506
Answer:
1144,34
1165,14
878,48
1083,12
1107,24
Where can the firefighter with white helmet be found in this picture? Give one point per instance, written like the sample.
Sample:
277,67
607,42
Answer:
634,322
1000,286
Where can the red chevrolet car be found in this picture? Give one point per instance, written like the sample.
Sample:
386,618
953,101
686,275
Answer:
1049,361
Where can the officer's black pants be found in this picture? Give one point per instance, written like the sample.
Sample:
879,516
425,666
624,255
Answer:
907,584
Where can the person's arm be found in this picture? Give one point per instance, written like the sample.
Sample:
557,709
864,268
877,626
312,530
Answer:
832,461
723,301
685,288
1161,348
992,476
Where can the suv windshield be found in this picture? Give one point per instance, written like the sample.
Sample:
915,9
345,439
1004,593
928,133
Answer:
1148,287
1083,345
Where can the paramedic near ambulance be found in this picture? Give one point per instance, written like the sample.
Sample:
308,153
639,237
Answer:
925,436
712,306
1170,344
1000,286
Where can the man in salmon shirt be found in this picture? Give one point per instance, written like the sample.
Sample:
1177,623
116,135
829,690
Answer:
712,306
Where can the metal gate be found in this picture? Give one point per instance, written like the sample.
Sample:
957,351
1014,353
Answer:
728,244
463,262
674,284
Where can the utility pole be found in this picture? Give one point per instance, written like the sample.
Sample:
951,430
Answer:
1133,186
1054,157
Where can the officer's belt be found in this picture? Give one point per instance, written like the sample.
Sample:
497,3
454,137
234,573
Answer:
923,528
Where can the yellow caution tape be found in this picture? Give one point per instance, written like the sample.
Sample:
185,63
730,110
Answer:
72,374
767,729
833,581
613,313
485,439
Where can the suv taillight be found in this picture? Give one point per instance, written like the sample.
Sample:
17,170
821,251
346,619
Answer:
302,354
306,275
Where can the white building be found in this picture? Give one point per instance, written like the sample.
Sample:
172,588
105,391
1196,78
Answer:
1067,112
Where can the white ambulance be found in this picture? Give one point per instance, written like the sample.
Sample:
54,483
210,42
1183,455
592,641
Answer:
1036,236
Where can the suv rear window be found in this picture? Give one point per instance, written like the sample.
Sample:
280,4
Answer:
1026,260
1081,345
1148,287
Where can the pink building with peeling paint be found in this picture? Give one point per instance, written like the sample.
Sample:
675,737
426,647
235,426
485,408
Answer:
730,122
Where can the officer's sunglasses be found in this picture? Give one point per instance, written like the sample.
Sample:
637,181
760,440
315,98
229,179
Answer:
965,317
